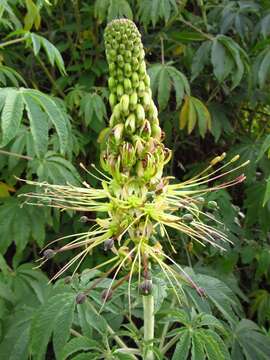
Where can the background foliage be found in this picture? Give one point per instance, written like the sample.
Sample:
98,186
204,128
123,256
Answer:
209,63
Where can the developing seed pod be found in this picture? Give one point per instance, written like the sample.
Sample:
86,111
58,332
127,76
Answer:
48,254
108,244
106,295
146,287
80,298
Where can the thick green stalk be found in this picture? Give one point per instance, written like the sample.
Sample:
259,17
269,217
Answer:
149,323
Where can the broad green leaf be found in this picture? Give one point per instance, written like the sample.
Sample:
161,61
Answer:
203,116
56,115
77,344
267,192
197,351
192,116
11,115
52,52
163,76
164,88
200,59
155,10
239,57
221,60
112,9
46,322
249,340
38,125
61,332
183,346
7,73
6,293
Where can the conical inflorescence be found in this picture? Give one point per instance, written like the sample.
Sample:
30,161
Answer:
134,151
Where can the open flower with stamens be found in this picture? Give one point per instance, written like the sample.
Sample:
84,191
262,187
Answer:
138,203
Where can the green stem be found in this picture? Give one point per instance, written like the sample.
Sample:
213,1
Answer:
11,42
149,322
50,77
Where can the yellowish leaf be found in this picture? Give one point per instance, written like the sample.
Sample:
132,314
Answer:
5,189
192,116
183,116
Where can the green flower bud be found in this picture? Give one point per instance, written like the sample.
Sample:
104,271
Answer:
124,103
118,132
127,85
135,79
156,132
130,124
145,130
153,113
119,90
111,67
112,84
140,113
147,80
127,70
133,100
141,88
146,100
117,112
112,100
128,55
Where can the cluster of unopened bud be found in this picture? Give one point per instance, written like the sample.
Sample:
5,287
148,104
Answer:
134,145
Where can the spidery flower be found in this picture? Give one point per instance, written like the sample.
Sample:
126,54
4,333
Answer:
135,197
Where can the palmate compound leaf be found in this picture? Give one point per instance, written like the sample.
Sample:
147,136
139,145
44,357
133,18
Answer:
53,54
42,111
194,112
20,225
55,169
9,75
93,109
228,59
261,68
198,337
249,342
163,78
112,9
155,10
78,344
